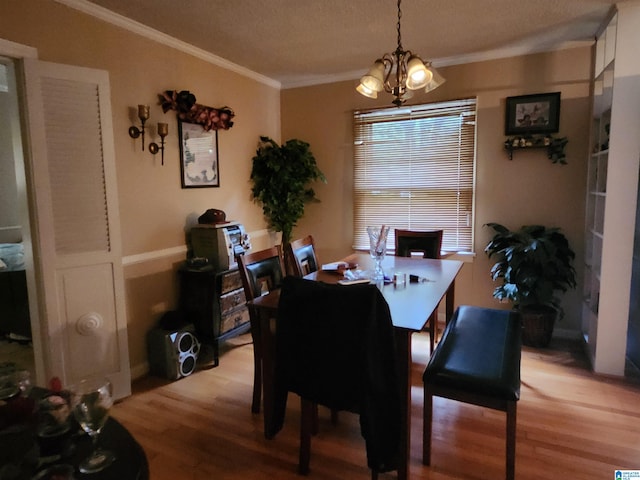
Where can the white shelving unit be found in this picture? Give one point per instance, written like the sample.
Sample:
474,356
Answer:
597,180
612,185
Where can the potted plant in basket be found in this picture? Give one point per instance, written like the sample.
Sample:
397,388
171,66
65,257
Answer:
534,264
281,175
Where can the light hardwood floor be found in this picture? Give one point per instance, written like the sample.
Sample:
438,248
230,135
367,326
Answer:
572,424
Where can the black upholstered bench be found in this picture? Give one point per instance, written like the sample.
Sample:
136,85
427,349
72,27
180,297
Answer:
477,361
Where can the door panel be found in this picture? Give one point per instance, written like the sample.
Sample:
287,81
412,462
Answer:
74,198
87,302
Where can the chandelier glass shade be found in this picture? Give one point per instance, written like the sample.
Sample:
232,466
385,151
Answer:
399,73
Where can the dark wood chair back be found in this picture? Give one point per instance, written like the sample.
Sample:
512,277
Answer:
261,272
429,243
302,256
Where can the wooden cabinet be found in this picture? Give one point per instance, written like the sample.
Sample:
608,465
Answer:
612,188
215,303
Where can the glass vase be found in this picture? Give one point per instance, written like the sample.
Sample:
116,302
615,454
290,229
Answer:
377,249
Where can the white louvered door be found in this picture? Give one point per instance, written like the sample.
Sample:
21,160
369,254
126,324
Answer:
74,195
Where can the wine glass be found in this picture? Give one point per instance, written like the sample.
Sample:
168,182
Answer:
91,402
377,249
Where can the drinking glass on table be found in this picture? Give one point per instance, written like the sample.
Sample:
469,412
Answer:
91,401
377,249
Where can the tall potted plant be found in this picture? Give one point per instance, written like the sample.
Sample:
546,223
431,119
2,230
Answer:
534,265
281,175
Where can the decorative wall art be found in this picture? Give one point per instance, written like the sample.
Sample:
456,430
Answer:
184,103
198,127
532,114
198,156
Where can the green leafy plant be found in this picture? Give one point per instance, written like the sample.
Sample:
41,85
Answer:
281,175
533,263
555,150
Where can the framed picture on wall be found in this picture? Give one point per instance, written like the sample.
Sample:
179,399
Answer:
198,156
531,114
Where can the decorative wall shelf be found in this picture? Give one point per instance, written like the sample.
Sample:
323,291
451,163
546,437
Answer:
553,146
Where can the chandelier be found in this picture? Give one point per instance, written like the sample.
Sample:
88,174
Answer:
399,73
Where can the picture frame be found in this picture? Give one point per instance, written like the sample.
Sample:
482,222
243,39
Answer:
199,167
531,114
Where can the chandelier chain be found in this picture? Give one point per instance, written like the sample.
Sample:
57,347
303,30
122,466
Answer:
399,34
399,73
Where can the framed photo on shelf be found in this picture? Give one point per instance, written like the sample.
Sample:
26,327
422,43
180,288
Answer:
531,114
198,156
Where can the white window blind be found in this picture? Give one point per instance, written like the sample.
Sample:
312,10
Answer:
414,169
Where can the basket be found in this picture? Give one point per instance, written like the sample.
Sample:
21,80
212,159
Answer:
537,325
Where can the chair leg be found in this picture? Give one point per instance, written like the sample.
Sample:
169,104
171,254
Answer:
427,420
511,440
307,408
267,360
257,367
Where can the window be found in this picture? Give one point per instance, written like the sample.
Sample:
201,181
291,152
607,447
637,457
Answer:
414,169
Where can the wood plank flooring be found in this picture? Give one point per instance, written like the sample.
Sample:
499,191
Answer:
572,424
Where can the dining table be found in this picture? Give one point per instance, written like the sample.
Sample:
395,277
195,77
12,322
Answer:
411,303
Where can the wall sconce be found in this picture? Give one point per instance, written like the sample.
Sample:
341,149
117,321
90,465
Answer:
163,130
143,115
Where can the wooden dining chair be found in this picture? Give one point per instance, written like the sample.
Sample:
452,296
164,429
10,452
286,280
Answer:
303,260
429,244
323,356
301,256
261,272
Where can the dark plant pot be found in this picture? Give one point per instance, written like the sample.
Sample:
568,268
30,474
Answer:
537,325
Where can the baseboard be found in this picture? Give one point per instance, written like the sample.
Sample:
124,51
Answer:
566,334
139,371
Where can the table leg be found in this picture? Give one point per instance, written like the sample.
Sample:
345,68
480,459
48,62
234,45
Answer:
403,349
450,301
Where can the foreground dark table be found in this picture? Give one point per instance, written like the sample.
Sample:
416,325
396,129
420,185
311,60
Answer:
19,451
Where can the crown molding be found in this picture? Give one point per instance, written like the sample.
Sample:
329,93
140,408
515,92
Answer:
121,21
515,51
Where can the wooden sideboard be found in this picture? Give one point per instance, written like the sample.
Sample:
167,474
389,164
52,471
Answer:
215,303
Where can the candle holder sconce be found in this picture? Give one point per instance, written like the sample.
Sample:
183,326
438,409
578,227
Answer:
163,130
143,115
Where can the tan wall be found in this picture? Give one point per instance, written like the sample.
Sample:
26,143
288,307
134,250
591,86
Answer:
154,209
529,189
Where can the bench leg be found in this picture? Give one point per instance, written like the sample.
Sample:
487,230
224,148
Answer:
427,419
511,439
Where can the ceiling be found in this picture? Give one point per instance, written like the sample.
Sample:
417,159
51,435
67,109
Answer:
302,42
